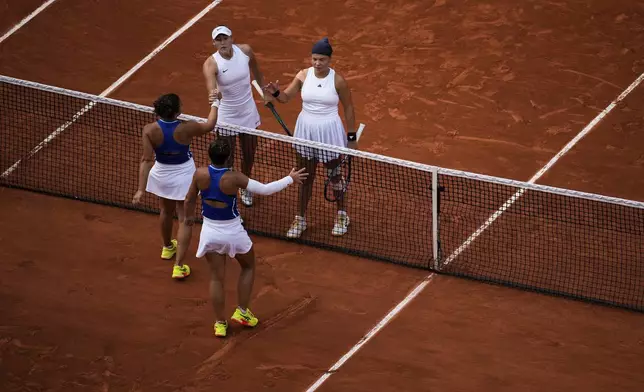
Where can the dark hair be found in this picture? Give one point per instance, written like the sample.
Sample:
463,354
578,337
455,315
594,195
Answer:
167,106
219,151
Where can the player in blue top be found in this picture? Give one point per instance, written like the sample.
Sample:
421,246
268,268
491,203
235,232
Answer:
167,167
222,233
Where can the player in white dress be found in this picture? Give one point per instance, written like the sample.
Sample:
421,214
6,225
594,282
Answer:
322,89
228,70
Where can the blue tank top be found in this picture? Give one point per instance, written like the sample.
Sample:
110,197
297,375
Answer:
214,193
170,152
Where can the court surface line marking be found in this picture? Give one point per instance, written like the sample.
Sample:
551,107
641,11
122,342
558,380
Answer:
26,19
421,286
113,87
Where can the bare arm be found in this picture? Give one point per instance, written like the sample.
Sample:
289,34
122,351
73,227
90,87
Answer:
291,91
196,129
147,161
253,63
344,92
210,71
190,202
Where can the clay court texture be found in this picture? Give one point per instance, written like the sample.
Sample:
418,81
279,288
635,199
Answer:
546,92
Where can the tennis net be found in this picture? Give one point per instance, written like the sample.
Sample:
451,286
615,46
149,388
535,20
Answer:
552,240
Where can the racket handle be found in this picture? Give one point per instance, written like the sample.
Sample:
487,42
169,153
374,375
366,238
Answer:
360,129
259,89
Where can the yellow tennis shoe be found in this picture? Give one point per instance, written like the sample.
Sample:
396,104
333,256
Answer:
220,328
246,318
180,271
168,252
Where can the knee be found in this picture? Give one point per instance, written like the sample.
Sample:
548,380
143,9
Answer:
166,213
247,267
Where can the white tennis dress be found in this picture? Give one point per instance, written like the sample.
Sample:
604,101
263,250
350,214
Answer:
319,119
237,106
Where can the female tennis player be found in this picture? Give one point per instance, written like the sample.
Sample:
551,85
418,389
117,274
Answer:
228,70
321,88
167,167
222,233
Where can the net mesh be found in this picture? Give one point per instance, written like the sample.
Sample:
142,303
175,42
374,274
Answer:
550,240
562,244
96,153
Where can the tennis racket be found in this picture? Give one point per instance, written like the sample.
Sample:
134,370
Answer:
334,192
272,107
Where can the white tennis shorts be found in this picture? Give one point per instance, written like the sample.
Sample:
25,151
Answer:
223,237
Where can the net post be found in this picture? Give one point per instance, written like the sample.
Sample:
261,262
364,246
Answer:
435,197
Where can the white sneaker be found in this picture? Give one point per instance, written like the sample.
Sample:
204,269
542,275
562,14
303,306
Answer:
341,224
297,227
246,197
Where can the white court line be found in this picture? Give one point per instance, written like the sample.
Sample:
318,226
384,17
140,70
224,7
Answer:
544,169
421,286
113,87
26,19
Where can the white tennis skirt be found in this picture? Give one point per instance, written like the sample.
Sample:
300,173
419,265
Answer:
324,129
245,115
223,237
171,181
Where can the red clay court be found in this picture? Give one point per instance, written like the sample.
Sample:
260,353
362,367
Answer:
497,88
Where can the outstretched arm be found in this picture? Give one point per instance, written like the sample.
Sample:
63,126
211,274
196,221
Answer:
196,129
238,180
290,92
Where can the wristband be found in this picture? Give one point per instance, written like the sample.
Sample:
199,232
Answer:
215,103
352,136
276,94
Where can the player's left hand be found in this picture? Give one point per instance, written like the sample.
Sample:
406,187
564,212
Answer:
353,145
214,94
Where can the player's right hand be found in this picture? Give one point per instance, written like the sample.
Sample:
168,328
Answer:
137,197
298,176
272,87
214,94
